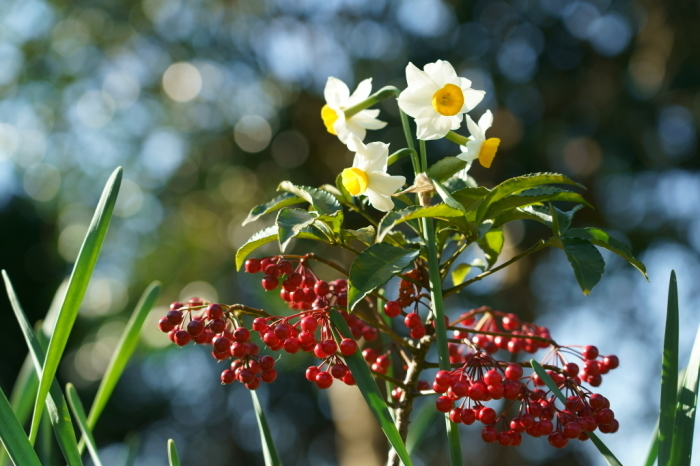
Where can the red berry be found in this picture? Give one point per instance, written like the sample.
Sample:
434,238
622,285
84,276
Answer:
514,372
285,268
511,322
217,326
444,404
437,388
176,305
164,325
456,415
572,430
270,339
517,439
259,324
270,283
338,371
268,376
348,347
596,401
252,265
321,288
241,335
291,345
572,369
595,380
505,438
221,344
590,352
443,378
412,320
460,388
478,391
511,390
487,416
266,363
195,328
605,416
253,384
557,440
174,317
181,337
611,362
311,373
329,347
418,332
468,416
324,380
545,426
342,299
489,434
306,338
492,377
246,375
283,331
215,311
370,355
227,377
496,392
516,426
349,379
527,420
392,308
239,350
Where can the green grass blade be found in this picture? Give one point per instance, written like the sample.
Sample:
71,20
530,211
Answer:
370,392
22,398
653,447
80,277
13,437
684,426
268,444
602,448
669,375
79,414
421,424
57,408
122,355
173,459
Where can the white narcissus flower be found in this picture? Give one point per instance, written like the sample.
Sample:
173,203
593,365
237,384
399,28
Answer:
478,147
368,174
338,99
437,98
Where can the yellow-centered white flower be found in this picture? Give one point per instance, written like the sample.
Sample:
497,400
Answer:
368,175
478,147
437,98
338,99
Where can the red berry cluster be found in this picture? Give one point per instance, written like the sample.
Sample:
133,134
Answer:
409,296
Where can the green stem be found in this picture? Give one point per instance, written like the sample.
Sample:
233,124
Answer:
423,156
457,138
400,154
382,94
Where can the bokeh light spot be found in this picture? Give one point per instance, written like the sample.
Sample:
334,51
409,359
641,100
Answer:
182,82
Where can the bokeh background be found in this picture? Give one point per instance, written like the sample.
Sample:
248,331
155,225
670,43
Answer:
208,104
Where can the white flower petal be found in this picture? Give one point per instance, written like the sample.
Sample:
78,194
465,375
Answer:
472,98
379,201
355,145
415,100
336,93
464,83
474,129
417,78
456,121
433,128
383,183
367,121
378,156
442,72
361,93
350,127
486,121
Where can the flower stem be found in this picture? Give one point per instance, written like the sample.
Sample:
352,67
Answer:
382,94
457,138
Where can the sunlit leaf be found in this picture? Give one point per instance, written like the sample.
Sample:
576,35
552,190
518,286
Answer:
604,240
459,274
445,168
268,444
322,201
533,196
281,201
492,245
585,260
79,415
13,437
173,458
269,235
397,217
669,375
291,222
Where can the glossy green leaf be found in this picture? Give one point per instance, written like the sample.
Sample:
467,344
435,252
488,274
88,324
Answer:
57,408
537,213
322,201
470,197
459,274
604,240
364,235
653,447
445,168
290,222
79,415
447,197
269,235
268,444
397,217
669,375
374,267
421,424
370,391
533,196
334,222
602,448
561,221
492,245
518,184
684,425
585,259
281,201
173,458
13,437
80,277
122,354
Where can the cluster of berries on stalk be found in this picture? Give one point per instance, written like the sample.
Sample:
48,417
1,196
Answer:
409,298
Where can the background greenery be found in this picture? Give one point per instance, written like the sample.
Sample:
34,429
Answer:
209,104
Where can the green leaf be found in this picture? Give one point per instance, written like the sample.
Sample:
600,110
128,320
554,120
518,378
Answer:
290,222
173,457
604,240
269,235
56,404
347,198
459,274
492,245
334,222
421,423
469,197
364,235
79,415
370,391
585,259
534,196
122,354
396,217
277,203
561,221
602,448
532,212
669,375
374,267
447,197
324,202
520,183
445,168
268,444
13,437
80,277
684,425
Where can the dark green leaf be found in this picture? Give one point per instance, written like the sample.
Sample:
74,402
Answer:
290,222
561,221
492,245
269,235
82,271
533,212
534,196
396,217
370,391
586,261
284,200
602,448
669,375
604,240
323,202
684,426
459,274
364,235
447,197
374,267
470,198
123,352
56,404
520,183
334,222
79,415
13,437
173,457
445,168
268,444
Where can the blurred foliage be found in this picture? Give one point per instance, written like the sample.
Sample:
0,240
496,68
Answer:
208,105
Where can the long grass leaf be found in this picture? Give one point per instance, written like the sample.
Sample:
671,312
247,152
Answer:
79,414
13,437
602,448
669,375
423,421
653,453
22,398
59,415
173,458
123,352
80,277
370,391
268,444
685,411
